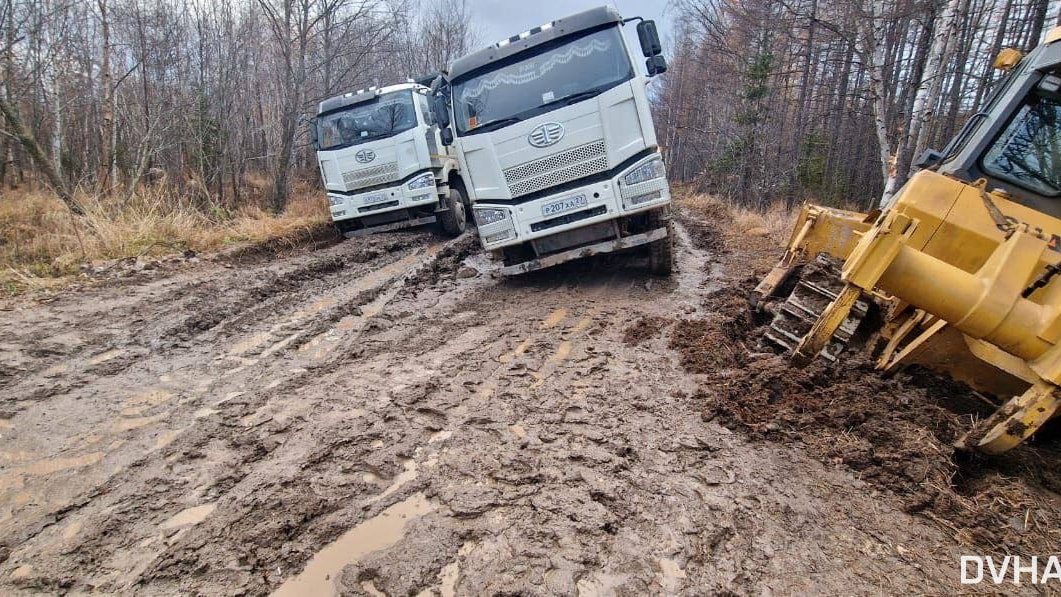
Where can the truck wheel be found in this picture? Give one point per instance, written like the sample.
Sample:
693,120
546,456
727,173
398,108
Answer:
453,219
661,254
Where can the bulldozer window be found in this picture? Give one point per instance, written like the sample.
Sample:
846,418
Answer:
1028,152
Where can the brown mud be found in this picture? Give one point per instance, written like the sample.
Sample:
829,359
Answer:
897,434
384,415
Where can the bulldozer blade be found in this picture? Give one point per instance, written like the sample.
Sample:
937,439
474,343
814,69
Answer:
1018,419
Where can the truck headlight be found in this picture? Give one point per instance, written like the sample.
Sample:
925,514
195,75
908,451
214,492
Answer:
333,200
489,215
650,170
424,180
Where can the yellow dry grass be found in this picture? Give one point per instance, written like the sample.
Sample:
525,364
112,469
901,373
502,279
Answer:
40,240
775,222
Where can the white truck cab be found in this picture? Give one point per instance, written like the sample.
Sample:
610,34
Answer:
383,163
554,135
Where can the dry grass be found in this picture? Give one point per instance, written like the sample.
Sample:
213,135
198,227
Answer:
776,222
40,240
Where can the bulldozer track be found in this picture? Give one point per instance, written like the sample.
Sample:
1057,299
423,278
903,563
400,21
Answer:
818,285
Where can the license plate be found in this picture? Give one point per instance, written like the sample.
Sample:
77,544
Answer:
374,199
564,205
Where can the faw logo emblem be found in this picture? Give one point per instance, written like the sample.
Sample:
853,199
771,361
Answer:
365,156
546,134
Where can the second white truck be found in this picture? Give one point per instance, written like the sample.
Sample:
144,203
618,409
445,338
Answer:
554,135
383,163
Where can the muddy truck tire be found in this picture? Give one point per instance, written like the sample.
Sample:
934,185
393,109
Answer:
454,219
661,252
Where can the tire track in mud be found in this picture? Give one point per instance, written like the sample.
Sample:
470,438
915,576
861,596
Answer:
172,392
490,435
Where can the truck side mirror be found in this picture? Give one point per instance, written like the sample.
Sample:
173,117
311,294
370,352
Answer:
440,110
447,136
656,65
649,38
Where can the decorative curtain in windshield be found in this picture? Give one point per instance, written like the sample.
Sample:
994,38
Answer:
519,90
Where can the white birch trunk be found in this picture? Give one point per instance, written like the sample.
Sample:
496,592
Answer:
873,40
927,96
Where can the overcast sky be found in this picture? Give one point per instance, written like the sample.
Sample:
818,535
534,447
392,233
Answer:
498,19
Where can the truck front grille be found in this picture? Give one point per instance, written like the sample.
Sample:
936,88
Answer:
366,177
584,160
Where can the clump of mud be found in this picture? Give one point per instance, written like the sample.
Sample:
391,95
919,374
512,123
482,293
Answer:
446,265
644,329
896,433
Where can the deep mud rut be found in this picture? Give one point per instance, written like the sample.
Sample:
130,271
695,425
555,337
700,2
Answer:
370,417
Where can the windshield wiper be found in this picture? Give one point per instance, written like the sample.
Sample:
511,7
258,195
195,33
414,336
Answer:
577,97
493,125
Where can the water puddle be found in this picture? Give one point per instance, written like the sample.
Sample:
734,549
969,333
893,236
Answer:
56,370
72,530
55,465
519,350
103,357
408,474
691,283
275,348
48,466
16,456
379,532
440,436
189,517
370,587
166,439
248,344
554,318
582,325
124,425
228,397
325,303
150,399
323,343
562,352
448,577
671,575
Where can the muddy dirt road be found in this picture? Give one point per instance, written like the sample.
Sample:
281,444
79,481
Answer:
385,416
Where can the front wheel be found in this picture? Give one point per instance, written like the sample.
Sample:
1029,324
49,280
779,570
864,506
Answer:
661,252
454,219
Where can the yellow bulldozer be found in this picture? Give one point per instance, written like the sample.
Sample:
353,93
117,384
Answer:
961,267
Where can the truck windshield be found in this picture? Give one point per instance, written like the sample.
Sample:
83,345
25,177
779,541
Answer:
384,116
1028,152
544,79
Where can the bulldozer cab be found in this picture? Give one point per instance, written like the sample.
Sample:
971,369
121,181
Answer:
1014,142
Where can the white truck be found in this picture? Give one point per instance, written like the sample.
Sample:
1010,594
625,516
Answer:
554,135
383,164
